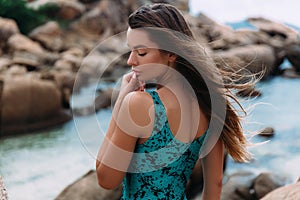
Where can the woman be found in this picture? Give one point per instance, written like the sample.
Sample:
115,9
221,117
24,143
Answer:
156,136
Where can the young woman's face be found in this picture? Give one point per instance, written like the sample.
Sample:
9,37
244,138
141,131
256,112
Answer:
146,60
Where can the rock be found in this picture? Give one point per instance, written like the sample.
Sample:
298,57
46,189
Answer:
238,186
8,27
107,18
266,182
25,101
49,35
74,60
5,62
75,52
248,37
250,58
288,192
280,34
16,70
182,5
97,65
222,37
293,55
62,79
87,188
267,132
19,42
290,73
3,192
31,60
63,65
103,99
68,10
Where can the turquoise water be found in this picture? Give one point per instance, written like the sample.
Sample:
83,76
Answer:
38,166
278,108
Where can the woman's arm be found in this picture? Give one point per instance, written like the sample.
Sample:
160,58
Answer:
116,150
213,172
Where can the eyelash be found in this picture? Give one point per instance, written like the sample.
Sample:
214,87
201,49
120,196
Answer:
142,54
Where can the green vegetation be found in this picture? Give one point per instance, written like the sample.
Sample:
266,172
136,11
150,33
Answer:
25,17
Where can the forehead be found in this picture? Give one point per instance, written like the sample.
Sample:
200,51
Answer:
139,38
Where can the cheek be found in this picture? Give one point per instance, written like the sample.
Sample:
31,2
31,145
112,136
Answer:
152,71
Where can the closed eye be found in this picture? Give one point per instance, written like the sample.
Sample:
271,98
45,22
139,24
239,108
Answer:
142,54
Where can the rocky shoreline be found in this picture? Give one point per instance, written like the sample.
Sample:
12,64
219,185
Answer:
50,60
40,71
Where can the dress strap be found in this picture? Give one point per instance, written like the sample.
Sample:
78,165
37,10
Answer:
160,112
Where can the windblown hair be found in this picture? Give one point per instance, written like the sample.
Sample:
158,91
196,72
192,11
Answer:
167,27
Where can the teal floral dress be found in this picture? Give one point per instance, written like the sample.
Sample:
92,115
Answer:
161,166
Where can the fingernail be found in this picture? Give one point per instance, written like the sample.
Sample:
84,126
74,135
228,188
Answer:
134,76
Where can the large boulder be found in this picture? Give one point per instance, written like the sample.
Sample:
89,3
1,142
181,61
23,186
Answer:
280,34
238,186
87,188
266,182
288,192
25,101
250,58
107,16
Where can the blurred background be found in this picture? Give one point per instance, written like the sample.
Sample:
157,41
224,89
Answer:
61,59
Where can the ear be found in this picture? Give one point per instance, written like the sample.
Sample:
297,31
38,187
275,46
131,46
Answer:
172,57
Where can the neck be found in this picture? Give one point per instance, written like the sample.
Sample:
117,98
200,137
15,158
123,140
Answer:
170,79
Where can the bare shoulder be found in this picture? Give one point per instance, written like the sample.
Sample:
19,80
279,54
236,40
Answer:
138,100
140,111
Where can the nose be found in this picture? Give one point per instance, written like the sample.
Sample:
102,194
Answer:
132,61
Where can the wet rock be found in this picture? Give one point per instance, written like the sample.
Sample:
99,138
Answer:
86,187
266,182
293,55
238,186
290,73
267,132
104,99
288,192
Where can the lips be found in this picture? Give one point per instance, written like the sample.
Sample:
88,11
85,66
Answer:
136,72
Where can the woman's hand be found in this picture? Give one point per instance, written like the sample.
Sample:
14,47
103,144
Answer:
130,83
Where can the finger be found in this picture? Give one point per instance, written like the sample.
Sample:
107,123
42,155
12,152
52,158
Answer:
127,77
141,85
133,81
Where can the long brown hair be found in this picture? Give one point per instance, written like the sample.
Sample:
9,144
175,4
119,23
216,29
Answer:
201,72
